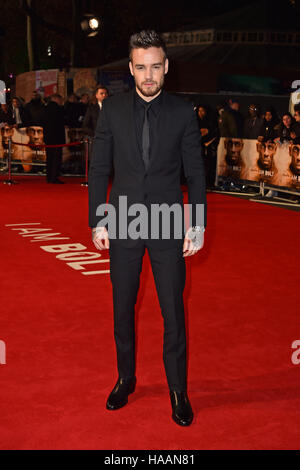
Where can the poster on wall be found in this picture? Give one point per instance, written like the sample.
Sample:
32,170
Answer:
46,82
24,155
272,162
73,157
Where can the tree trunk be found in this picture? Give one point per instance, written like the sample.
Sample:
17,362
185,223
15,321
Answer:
30,45
75,58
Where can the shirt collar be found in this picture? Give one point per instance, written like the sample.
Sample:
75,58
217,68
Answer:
155,103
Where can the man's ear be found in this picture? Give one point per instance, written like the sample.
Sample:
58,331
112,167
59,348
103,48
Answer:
131,67
166,66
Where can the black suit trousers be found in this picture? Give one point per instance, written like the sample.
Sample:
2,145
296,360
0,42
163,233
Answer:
168,267
53,163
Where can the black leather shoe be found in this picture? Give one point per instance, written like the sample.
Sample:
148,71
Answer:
57,181
182,410
119,395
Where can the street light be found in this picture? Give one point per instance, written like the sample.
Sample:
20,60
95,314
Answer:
90,25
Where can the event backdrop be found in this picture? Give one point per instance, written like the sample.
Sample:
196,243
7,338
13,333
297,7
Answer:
29,157
249,160
238,159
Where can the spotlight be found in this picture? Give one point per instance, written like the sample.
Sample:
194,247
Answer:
94,24
90,25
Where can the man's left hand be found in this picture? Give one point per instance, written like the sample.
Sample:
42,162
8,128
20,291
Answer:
193,242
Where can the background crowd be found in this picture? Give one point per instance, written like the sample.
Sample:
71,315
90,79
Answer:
53,115
227,121
82,113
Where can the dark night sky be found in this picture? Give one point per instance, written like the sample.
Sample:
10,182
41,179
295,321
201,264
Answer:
120,19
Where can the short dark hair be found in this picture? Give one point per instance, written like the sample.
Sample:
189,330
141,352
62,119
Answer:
100,87
146,39
56,95
297,107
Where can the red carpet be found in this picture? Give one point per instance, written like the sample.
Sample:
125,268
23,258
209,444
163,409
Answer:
242,302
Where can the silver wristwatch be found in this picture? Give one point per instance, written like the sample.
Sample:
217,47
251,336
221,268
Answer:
198,228
196,235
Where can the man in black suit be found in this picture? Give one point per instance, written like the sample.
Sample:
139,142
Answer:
54,133
146,135
93,110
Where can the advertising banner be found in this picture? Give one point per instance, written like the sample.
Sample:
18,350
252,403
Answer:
250,160
46,82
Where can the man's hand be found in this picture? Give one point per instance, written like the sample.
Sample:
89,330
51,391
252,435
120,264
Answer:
100,238
193,242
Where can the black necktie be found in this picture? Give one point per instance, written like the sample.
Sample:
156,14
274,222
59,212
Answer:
146,137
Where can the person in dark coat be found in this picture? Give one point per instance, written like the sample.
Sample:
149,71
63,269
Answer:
83,107
233,108
5,115
253,123
54,133
18,113
34,111
72,110
90,120
267,131
209,139
230,120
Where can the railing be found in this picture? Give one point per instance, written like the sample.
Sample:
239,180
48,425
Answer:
212,36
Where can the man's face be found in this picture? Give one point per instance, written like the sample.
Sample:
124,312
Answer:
294,151
201,112
297,116
234,148
101,95
252,110
85,99
35,95
148,67
235,105
266,151
58,100
72,98
36,135
268,116
287,120
6,133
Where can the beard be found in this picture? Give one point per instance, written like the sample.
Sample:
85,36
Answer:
153,90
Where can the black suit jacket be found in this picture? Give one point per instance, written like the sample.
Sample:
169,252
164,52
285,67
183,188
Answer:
115,144
54,124
90,119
